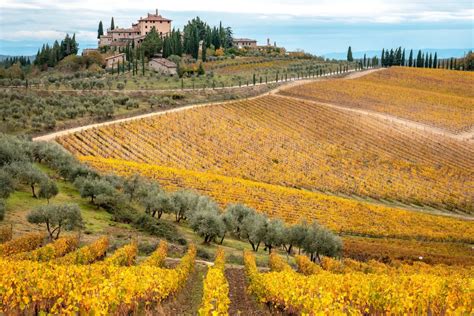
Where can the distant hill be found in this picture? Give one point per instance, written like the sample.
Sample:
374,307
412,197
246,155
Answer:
442,53
3,57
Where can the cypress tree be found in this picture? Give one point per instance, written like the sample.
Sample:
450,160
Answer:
435,60
410,58
100,31
430,61
365,61
403,58
143,63
419,60
204,53
349,54
426,61
112,24
382,59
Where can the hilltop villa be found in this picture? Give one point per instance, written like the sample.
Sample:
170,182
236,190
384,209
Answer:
119,37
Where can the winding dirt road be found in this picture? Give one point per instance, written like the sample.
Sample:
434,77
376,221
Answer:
292,83
466,136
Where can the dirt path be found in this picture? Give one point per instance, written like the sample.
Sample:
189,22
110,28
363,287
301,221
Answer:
241,302
467,136
54,135
188,299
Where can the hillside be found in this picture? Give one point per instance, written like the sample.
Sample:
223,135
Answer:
298,160
278,204
434,97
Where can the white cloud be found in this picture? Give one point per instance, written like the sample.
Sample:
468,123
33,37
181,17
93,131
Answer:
38,34
385,11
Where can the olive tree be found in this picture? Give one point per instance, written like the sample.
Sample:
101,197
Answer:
253,229
48,189
236,215
57,217
274,234
207,223
320,241
28,174
92,188
133,185
184,203
156,202
2,209
7,185
295,236
228,221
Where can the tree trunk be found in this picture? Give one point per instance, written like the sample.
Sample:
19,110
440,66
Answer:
160,213
253,245
222,239
49,230
258,245
33,191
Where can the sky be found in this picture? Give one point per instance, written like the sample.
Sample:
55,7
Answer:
318,27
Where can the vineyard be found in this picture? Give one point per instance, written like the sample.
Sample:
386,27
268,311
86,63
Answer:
339,214
400,198
83,282
295,144
434,97
355,288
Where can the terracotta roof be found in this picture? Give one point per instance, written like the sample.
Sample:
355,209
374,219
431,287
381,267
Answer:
243,40
115,56
165,62
154,17
130,30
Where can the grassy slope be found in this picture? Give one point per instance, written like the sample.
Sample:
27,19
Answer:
99,222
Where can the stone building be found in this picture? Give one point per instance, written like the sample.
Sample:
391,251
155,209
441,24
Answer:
113,61
120,37
244,42
163,65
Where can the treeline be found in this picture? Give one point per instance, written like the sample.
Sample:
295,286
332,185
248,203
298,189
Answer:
20,60
398,57
27,112
50,56
18,159
121,197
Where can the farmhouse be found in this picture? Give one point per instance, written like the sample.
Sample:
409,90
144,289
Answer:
163,65
113,61
120,37
244,42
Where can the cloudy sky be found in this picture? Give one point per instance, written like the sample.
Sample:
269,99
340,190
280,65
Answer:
318,27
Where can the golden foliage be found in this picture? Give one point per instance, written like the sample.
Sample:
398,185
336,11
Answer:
87,254
358,293
24,243
56,249
215,299
158,257
437,97
28,287
124,256
292,205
